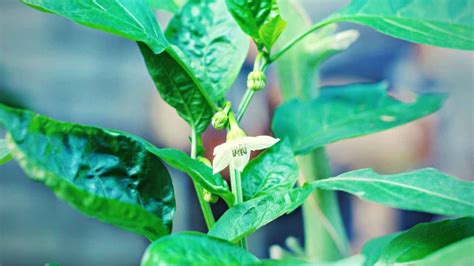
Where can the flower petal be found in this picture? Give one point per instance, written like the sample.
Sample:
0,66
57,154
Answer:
224,147
239,162
258,143
221,161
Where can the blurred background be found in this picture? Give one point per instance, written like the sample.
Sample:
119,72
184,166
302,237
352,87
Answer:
69,72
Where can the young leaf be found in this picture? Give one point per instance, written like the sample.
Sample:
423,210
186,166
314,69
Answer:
243,219
130,19
172,6
426,238
426,190
197,171
179,87
271,31
102,173
373,249
445,23
259,19
346,112
212,42
5,155
192,248
273,170
456,254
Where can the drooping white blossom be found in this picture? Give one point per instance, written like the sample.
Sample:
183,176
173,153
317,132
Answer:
236,152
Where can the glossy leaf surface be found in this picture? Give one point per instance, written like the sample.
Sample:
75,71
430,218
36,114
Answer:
243,219
252,15
426,190
445,23
132,19
198,171
426,238
179,87
195,249
5,155
105,174
346,112
214,46
275,169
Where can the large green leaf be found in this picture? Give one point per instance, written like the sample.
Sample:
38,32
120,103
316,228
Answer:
426,190
195,249
456,254
444,23
5,154
179,87
273,170
212,42
243,219
132,19
260,19
102,173
426,238
373,249
197,171
346,112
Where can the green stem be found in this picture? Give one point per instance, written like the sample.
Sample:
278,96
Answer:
236,185
205,206
325,238
317,26
260,64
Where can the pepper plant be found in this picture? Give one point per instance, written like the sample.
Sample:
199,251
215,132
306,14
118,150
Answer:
122,179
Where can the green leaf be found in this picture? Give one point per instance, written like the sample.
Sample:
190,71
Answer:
102,173
275,169
426,238
212,42
192,248
5,155
456,254
243,219
179,87
172,6
271,31
346,112
373,249
132,19
252,16
426,190
445,23
198,171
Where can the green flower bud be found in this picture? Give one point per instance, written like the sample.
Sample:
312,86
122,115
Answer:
219,120
256,80
209,197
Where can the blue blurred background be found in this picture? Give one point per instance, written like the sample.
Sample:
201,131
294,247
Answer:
73,73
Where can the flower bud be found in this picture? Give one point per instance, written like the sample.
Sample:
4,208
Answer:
208,197
219,120
256,80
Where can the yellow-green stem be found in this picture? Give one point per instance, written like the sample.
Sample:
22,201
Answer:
236,185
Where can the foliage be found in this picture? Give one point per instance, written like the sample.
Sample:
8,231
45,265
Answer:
121,179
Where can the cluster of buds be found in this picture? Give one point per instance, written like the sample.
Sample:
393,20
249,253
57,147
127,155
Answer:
256,80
